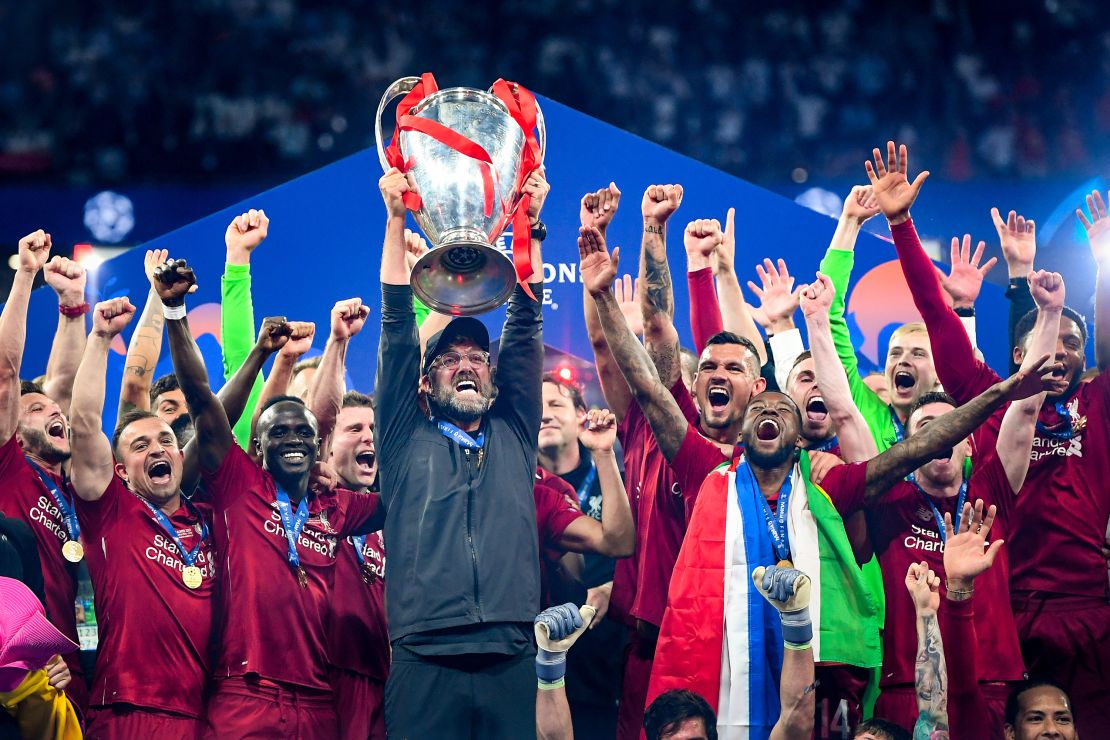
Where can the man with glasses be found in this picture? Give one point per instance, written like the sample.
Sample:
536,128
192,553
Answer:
458,459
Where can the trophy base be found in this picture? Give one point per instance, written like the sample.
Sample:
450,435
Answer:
463,277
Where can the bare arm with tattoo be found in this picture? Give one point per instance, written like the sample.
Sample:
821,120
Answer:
145,346
931,674
598,270
945,431
657,291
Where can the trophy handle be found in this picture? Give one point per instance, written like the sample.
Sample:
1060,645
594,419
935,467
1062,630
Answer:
542,132
401,87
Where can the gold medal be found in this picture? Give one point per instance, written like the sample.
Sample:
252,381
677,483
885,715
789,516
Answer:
785,564
73,551
192,576
302,577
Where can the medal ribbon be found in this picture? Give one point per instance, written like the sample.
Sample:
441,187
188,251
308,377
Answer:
899,428
776,522
464,440
292,524
960,499
69,514
1062,434
189,557
587,484
359,541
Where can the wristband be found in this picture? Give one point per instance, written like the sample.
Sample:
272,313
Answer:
797,629
174,312
965,313
73,312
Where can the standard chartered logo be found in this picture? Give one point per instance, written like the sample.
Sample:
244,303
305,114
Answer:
46,513
311,539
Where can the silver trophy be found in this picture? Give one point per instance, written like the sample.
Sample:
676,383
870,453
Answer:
463,273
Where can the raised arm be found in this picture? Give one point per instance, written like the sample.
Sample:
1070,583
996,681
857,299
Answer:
430,322
598,270
788,590
91,467
945,431
597,210
736,315
393,185
67,278
856,442
520,378
931,674
34,250
242,237
173,280
657,292
859,207
1018,237
1015,436
615,535
325,395
145,347
1098,234
701,240
964,281
966,557
778,300
299,341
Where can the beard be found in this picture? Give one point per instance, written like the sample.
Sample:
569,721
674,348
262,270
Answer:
769,460
444,402
40,444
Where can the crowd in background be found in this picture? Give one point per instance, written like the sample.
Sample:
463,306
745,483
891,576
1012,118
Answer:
111,93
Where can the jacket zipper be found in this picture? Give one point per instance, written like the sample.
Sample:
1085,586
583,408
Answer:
470,532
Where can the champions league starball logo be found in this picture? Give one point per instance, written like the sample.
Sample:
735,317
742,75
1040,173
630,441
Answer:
109,216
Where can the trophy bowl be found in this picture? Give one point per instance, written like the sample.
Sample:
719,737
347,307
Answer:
466,203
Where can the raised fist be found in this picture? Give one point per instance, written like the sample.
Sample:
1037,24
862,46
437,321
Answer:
599,430
817,297
702,237
660,201
110,317
558,627
172,281
301,334
347,318
536,186
924,587
787,589
34,250
1047,289
246,232
67,278
415,248
394,184
597,268
893,190
598,208
861,204
274,334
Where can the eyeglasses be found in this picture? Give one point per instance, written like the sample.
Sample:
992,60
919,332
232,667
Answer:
451,360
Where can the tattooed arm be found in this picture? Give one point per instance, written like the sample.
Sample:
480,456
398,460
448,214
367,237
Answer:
598,271
931,674
657,292
142,358
945,431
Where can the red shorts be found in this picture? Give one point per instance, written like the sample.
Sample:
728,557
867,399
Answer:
638,657
1067,639
257,708
898,704
360,704
839,700
124,722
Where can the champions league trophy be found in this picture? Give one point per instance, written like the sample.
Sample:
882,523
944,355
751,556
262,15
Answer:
467,153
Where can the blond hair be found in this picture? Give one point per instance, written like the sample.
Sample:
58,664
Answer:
913,327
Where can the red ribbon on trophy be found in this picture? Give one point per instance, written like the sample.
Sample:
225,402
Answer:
522,107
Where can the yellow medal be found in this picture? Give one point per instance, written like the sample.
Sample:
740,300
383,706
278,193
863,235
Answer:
73,551
192,576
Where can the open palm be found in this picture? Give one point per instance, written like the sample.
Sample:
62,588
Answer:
893,190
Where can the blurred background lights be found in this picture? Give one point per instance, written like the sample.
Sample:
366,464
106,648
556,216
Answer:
109,216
